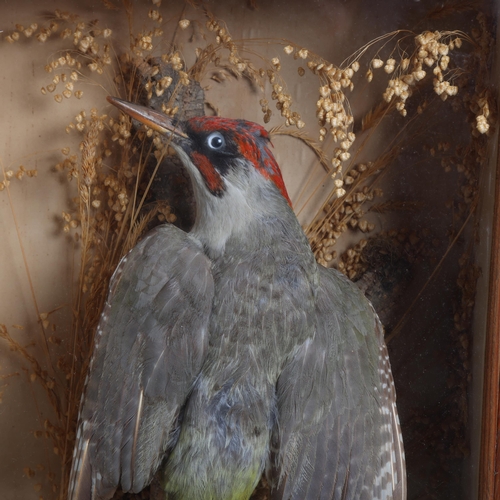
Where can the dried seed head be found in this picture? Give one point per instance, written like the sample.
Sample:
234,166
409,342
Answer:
419,75
155,15
482,124
303,53
390,65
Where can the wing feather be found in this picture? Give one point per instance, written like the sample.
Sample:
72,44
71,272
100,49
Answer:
338,435
149,348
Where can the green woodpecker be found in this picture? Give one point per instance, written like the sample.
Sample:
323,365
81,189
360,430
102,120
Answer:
228,351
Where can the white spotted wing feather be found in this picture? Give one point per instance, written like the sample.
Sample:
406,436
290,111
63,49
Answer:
338,434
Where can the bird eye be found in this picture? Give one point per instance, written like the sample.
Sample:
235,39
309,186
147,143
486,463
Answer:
216,141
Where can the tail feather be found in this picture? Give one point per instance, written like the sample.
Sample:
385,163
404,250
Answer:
80,480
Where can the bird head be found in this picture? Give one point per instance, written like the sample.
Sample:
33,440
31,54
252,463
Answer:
235,176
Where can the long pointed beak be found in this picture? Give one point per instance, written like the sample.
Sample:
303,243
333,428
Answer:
153,119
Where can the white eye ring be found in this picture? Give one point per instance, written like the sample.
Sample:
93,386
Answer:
216,141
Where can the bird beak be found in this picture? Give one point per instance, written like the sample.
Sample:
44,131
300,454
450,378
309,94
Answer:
153,119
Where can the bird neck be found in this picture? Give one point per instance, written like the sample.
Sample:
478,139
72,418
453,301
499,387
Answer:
248,221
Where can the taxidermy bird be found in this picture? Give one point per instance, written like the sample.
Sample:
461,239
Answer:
228,351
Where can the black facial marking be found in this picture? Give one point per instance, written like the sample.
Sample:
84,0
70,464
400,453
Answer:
218,146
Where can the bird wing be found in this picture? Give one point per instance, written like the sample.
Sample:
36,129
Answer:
338,434
149,347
